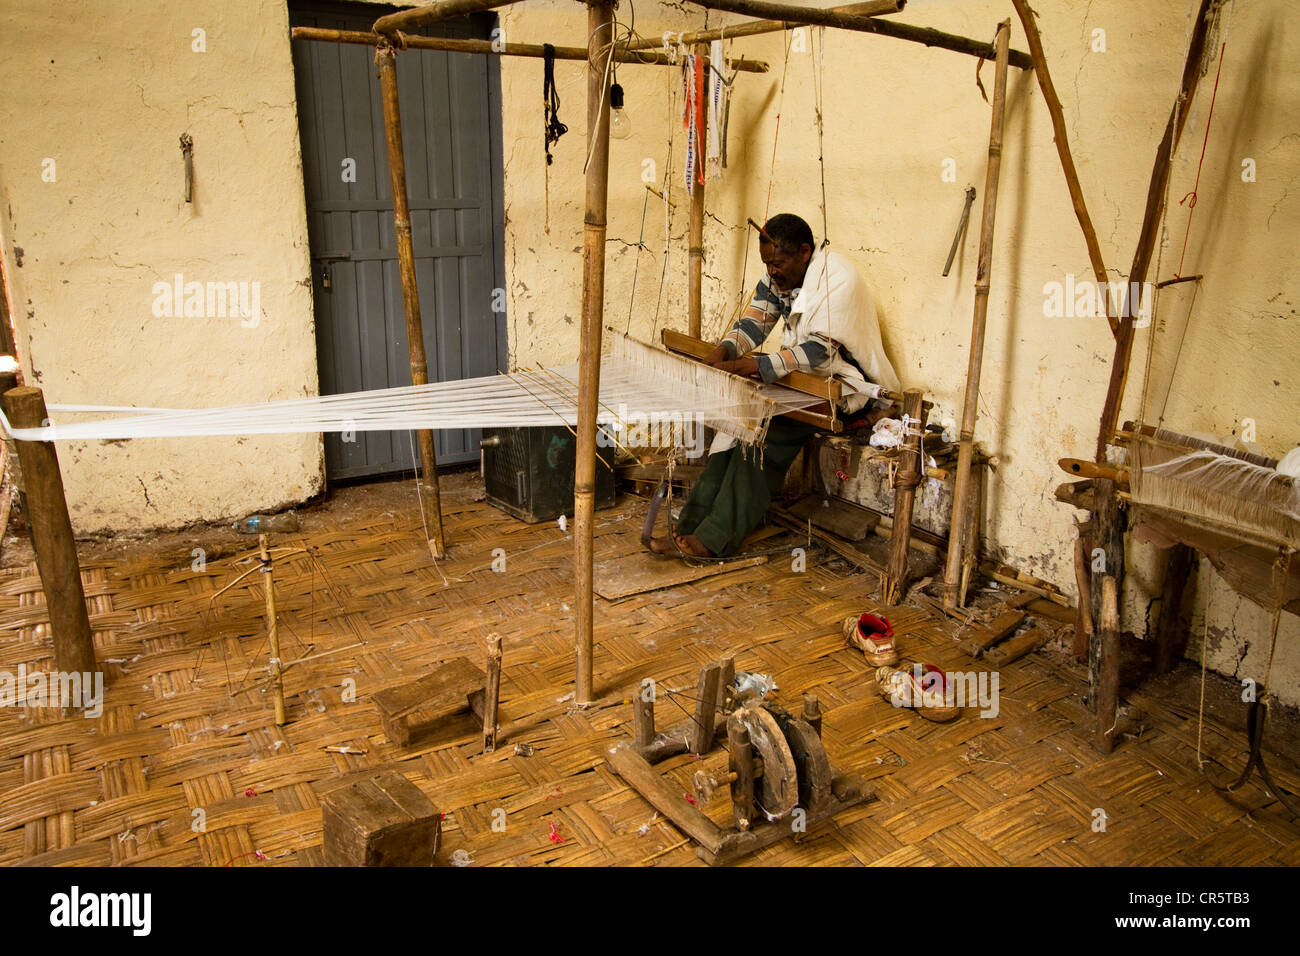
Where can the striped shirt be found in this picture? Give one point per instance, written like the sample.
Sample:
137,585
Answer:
813,355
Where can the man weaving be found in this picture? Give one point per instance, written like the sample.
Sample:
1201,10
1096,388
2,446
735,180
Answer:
831,328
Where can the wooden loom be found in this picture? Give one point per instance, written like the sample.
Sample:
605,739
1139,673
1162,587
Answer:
60,576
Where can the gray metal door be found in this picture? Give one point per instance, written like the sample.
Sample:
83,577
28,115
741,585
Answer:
451,133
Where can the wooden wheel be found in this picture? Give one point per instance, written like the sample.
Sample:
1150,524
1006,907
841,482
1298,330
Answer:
810,759
777,790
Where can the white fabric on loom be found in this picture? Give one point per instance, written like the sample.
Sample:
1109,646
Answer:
628,391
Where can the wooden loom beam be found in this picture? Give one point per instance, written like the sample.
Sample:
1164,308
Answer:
390,24
961,489
791,16
1155,206
759,27
52,540
534,50
1061,138
600,20
1109,517
430,503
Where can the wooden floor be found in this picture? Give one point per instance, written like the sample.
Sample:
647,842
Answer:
186,767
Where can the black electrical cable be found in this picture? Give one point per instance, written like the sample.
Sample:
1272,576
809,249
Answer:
551,97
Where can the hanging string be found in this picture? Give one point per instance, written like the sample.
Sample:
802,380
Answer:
776,136
640,245
1190,198
551,116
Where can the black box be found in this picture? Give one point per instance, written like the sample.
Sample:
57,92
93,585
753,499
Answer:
528,472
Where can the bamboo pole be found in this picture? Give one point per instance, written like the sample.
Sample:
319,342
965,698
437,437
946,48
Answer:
427,486
273,633
793,15
1108,685
432,12
961,489
492,694
535,50
600,31
1063,149
695,265
52,540
1152,216
906,478
758,27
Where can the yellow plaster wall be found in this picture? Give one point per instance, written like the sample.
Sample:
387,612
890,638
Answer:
105,90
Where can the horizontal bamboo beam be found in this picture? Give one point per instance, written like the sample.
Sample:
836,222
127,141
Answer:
535,50
757,27
433,12
794,16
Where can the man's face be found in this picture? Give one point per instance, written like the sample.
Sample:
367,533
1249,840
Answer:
786,268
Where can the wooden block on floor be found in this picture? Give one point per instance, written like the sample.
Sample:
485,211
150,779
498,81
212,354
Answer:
988,635
383,821
410,711
1018,647
851,522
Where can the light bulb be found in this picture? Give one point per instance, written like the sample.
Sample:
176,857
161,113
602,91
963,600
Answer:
620,126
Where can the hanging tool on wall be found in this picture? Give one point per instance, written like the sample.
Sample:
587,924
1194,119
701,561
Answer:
187,153
961,228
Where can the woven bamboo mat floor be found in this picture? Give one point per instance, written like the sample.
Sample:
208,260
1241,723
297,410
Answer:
186,767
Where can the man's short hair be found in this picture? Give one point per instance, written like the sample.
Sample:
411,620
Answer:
789,232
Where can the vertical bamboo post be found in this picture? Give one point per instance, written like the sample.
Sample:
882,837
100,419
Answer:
273,633
695,270
600,33
1108,686
51,529
970,534
430,503
906,478
492,694
961,491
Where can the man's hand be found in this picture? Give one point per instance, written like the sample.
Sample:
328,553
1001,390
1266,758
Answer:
717,356
746,365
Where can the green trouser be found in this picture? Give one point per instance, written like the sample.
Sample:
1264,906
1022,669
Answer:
729,499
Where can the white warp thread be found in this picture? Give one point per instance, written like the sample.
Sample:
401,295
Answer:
628,392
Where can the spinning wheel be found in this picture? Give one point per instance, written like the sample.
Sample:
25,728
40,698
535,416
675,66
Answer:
776,791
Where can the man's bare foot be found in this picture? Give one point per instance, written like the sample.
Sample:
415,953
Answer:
693,546
662,545
682,543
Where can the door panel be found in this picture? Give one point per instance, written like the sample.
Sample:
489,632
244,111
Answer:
450,133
